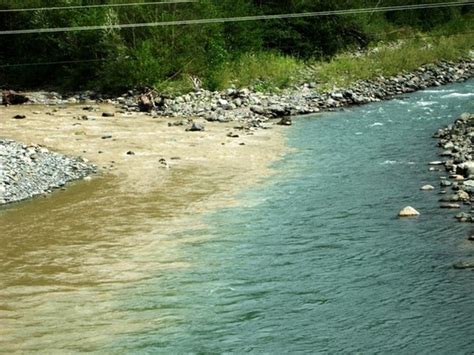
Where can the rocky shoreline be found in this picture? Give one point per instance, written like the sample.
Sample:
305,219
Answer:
27,171
456,141
457,144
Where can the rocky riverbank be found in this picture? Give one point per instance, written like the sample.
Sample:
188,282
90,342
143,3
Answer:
256,107
456,141
31,170
253,107
457,144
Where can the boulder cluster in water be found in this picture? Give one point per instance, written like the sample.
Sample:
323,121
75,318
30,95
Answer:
31,170
457,140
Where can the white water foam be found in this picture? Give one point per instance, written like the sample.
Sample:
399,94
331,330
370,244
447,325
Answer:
456,94
438,91
426,103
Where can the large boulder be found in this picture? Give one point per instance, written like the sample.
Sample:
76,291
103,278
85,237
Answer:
146,103
10,97
466,169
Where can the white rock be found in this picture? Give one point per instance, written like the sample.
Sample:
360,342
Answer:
408,212
469,183
427,188
223,102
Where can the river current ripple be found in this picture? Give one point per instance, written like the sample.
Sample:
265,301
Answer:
314,260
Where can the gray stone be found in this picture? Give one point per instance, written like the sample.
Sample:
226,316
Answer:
466,169
196,127
450,205
285,121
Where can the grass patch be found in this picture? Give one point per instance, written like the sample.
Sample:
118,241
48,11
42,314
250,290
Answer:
410,54
263,71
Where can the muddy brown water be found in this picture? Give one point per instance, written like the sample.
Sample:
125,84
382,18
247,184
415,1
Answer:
67,258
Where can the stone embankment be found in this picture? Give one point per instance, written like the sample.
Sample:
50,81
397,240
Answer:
30,170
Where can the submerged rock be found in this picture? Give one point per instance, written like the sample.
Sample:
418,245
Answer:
469,264
464,217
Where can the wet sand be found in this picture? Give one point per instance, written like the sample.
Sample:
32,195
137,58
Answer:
218,163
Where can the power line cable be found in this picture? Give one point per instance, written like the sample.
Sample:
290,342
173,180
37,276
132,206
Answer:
165,2
128,58
240,19
77,61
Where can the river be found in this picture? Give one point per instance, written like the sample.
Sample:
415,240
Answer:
313,260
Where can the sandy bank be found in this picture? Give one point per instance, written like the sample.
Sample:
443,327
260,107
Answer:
144,154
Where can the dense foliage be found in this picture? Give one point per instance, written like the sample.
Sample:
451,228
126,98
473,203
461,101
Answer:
116,59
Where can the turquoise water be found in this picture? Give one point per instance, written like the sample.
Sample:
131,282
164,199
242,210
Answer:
317,261
314,260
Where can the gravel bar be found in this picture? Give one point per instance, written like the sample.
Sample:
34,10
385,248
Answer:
27,171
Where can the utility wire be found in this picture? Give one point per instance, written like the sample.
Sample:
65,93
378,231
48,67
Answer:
55,63
240,19
128,58
97,6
